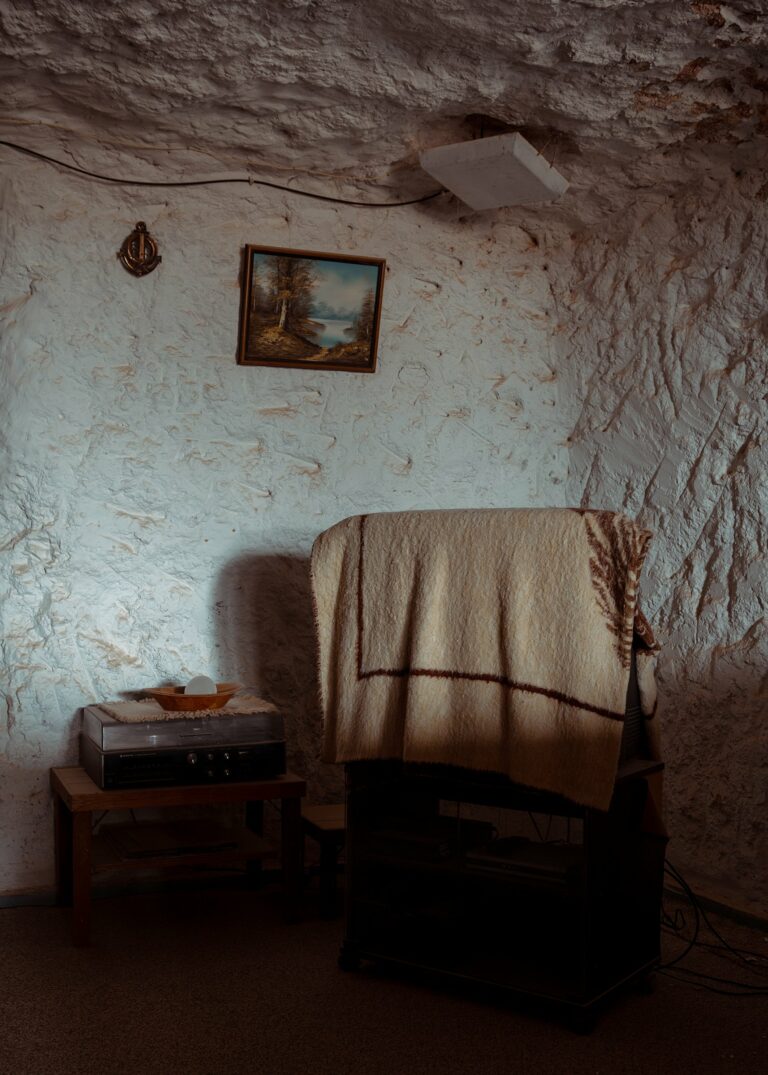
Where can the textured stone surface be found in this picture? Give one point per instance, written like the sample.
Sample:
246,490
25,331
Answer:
158,503
665,361
361,85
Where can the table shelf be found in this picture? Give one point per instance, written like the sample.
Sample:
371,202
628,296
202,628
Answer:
157,846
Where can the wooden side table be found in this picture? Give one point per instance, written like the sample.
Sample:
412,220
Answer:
76,798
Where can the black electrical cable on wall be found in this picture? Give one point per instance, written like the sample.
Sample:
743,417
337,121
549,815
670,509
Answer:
249,180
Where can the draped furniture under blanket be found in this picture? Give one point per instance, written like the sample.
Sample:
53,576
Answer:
497,660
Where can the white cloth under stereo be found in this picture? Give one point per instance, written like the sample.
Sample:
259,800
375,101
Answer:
148,709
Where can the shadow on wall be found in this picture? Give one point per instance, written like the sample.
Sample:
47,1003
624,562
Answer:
265,636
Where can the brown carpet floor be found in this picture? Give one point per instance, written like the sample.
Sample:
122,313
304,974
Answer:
209,982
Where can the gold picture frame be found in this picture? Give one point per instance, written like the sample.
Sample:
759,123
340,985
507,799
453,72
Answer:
309,310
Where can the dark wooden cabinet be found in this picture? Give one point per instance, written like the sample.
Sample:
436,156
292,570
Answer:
431,884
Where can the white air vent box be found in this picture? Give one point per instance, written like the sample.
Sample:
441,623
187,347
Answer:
490,172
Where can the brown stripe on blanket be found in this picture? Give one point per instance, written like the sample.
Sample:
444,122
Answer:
483,677
435,673
617,554
624,623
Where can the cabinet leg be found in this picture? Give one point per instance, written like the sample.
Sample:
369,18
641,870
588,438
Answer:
349,958
81,878
581,1020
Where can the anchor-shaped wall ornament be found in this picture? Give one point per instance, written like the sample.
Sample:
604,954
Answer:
138,254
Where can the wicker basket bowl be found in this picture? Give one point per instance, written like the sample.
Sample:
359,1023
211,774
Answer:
175,699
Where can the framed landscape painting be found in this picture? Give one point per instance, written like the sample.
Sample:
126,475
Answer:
309,310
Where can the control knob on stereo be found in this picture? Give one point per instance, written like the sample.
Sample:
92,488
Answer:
191,759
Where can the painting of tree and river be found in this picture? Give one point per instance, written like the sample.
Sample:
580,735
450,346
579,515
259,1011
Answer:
311,310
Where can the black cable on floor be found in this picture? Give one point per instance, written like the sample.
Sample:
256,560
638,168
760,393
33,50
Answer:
723,953
708,923
713,989
750,953
683,974
696,928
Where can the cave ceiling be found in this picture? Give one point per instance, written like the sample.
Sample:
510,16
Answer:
356,88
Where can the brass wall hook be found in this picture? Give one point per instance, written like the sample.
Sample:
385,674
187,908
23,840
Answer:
138,254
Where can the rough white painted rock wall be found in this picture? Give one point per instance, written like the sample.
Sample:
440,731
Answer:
159,503
296,85
665,358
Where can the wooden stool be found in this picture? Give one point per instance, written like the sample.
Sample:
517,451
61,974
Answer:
327,825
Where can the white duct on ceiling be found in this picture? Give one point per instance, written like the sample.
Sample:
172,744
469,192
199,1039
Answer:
491,172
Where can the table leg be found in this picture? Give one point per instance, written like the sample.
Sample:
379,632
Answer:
254,816
81,877
62,847
291,855
329,853
254,820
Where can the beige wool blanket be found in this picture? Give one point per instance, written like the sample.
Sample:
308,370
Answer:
497,640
